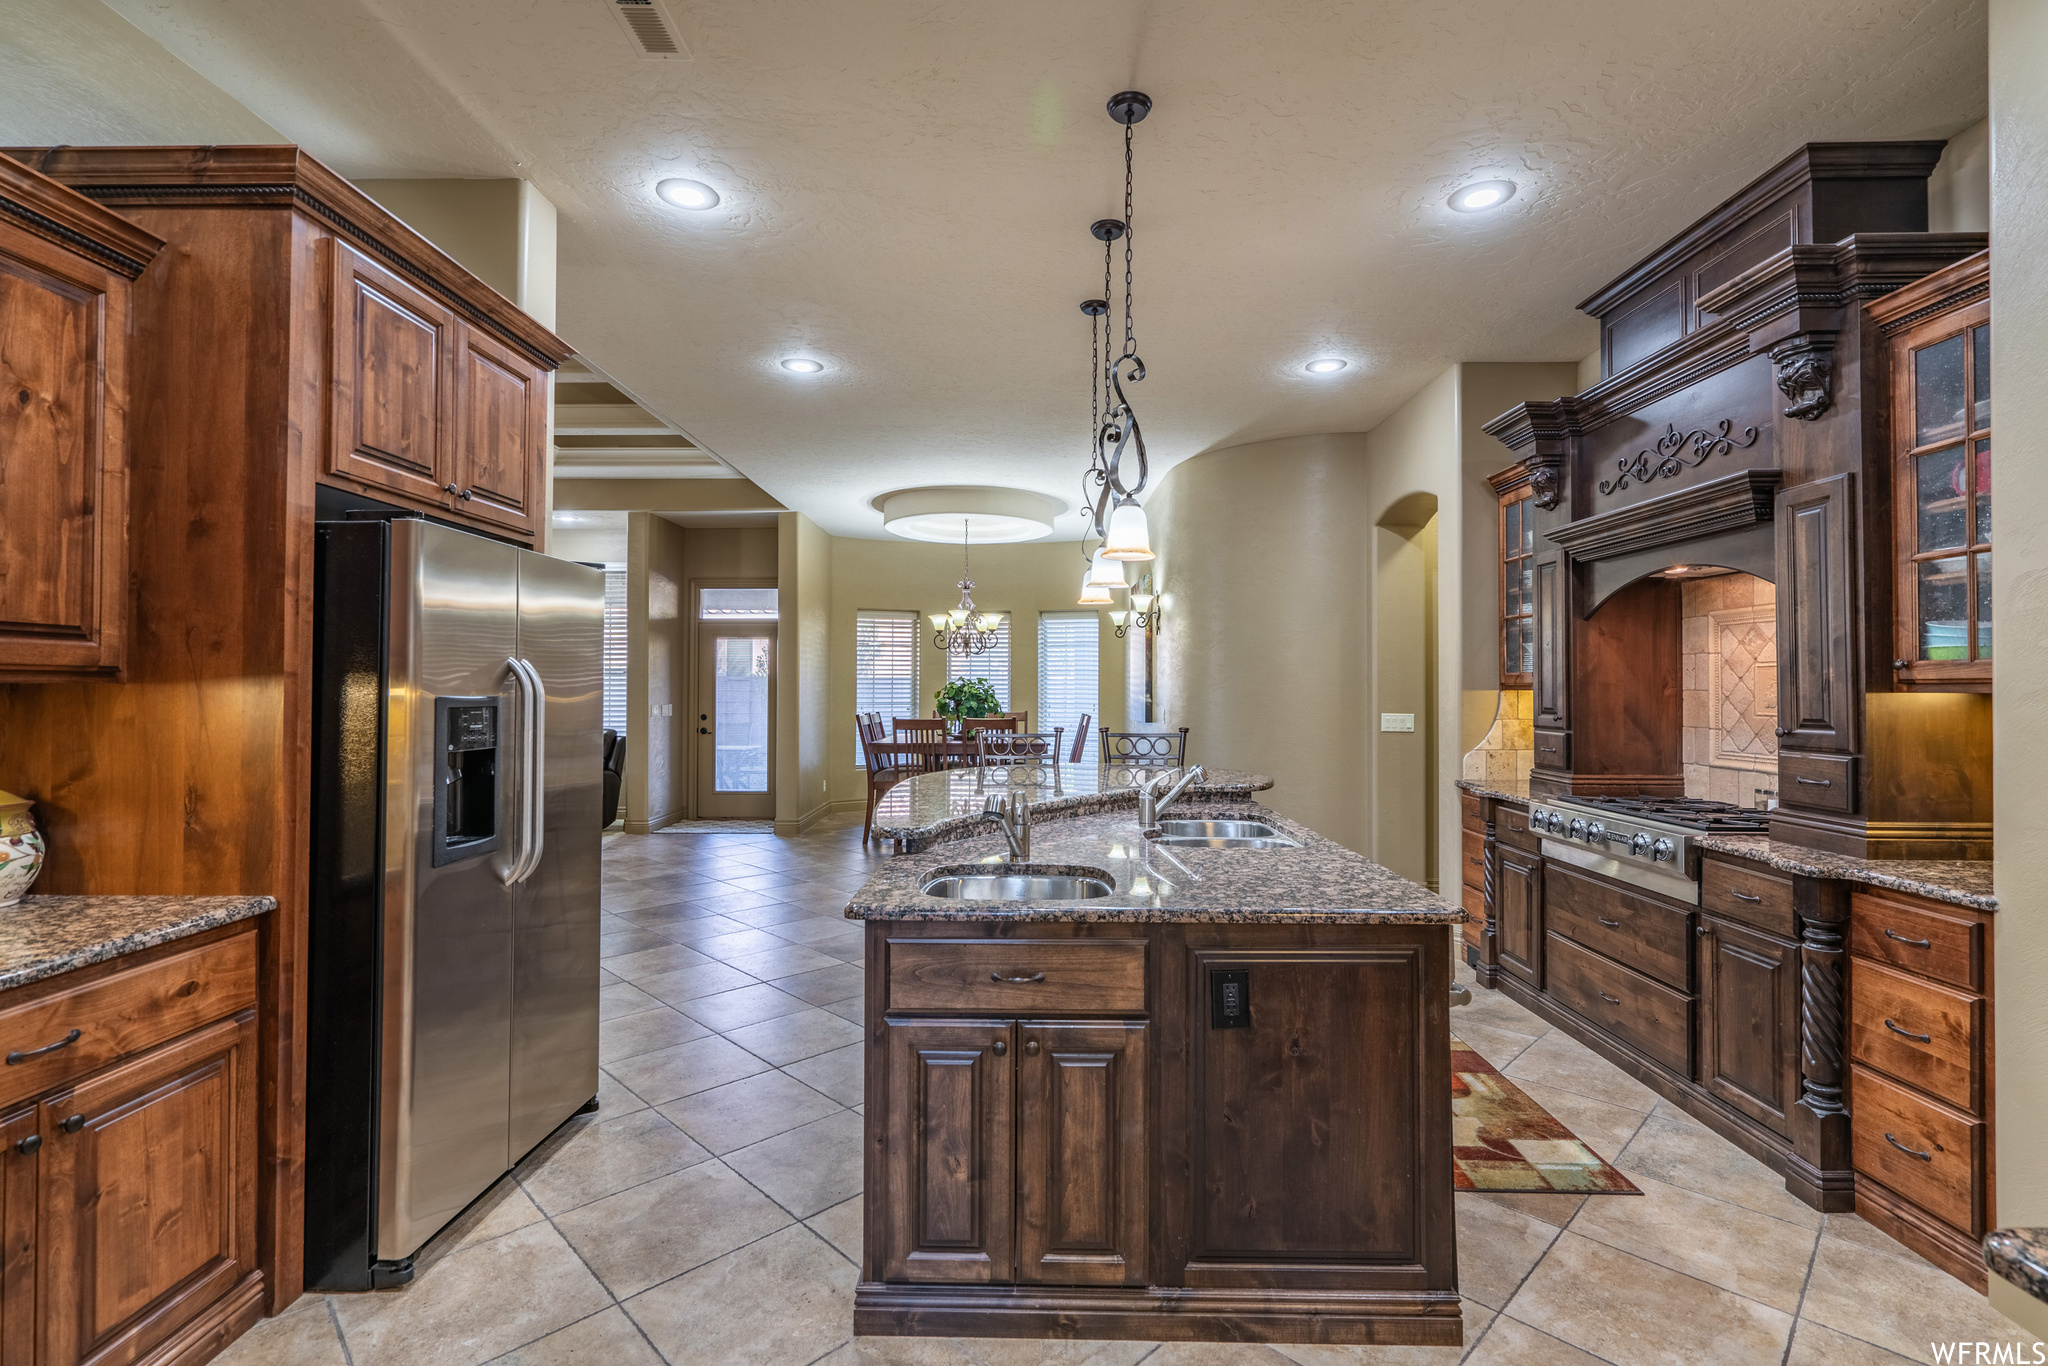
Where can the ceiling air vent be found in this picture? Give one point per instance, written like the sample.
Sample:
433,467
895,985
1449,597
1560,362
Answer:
652,33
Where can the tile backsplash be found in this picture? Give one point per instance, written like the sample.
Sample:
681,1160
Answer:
1730,642
1503,759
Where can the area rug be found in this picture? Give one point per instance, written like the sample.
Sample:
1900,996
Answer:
1503,1141
718,828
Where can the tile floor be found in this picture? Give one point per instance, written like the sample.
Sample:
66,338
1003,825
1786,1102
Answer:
709,1214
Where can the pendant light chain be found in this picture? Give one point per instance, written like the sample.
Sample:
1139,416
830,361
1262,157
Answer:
1130,332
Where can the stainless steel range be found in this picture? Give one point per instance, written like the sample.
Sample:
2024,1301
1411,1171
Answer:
1646,841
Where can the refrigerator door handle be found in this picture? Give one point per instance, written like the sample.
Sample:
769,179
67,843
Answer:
537,767
527,765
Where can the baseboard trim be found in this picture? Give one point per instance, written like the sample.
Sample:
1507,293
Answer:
203,1339
787,829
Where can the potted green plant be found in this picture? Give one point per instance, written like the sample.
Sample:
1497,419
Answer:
966,698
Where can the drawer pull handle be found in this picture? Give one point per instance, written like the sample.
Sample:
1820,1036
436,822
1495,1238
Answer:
69,1039
1910,1152
1906,1033
1610,924
1815,782
1611,1000
1017,981
28,1145
1745,896
1900,938
1475,862
73,1124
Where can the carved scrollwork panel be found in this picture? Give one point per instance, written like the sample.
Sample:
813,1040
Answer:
1675,452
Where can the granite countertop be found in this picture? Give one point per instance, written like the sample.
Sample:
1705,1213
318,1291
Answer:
2021,1256
1957,882
46,935
1509,792
935,807
1319,883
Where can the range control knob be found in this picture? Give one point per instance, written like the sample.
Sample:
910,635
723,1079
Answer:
1662,851
1640,845
1578,828
1557,823
1596,833
1539,819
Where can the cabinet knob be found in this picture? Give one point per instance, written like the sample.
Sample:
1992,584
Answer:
28,1145
73,1124
464,495
450,488
999,1048
1902,664
1031,1048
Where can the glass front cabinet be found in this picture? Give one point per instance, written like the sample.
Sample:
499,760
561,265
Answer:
1938,344
1517,548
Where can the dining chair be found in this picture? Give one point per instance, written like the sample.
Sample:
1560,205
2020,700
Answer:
891,762
990,725
1145,748
1080,739
919,728
1021,747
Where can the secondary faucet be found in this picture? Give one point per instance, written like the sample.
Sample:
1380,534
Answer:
1012,812
1150,803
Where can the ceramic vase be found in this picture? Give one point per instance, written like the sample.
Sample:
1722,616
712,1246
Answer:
21,848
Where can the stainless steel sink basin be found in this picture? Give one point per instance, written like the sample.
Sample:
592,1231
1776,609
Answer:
1229,830
1222,835
1018,887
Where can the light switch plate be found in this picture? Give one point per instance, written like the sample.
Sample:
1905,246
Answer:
1397,721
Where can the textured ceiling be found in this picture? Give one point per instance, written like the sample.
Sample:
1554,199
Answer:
908,185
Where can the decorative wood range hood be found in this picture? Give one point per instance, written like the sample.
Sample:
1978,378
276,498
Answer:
1744,421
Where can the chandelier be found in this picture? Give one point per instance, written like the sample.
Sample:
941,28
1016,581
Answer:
1109,491
964,631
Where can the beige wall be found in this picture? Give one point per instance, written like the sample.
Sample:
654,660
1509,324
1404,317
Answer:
1959,191
2019,358
903,576
804,673
657,677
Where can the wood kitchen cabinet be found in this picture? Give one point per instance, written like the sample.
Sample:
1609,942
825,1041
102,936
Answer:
66,272
394,383
501,433
1518,911
953,1086
1082,1197
1515,548
1749,1019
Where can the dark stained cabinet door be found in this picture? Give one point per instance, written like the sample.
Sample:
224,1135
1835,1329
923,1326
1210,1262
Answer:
394,382
1081,1177
1749,1019
1553,631
19,1143
63,463
148,1195
952,1191
500,461
1518,912
1816,604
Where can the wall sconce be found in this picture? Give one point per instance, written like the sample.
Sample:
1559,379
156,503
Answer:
1149,613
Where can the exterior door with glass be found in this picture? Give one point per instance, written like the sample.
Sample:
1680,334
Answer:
735,718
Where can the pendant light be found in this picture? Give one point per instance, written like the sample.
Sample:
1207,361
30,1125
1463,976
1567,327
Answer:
964,631
1112,499
1095,594
1105,572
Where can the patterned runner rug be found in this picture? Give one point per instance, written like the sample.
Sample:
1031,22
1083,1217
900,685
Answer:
1501,1140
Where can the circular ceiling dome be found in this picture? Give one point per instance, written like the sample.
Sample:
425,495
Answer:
990,516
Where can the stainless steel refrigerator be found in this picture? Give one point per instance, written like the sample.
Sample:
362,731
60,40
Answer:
452,951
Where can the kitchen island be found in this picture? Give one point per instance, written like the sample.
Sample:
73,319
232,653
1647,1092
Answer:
1202,1097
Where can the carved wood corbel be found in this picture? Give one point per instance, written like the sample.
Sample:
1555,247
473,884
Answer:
1804,364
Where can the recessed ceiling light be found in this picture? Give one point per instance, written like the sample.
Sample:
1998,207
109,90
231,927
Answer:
1328,365
802,365
1486,194
688,194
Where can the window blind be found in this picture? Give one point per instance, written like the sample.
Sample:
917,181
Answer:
884,668
1067,674
615,650
994,665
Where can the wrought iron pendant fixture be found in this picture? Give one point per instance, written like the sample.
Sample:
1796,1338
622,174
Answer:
964,631
1110,489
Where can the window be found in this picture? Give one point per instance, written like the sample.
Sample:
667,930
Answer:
1067,673
1517,577
994,665
738,604
615,649
885,667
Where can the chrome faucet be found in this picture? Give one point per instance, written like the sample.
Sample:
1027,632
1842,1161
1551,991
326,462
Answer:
1150,803
1012,812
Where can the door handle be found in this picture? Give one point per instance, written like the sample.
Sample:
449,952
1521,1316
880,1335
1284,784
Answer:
703,730
533,724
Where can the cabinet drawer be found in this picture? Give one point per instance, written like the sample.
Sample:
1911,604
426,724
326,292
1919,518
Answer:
1471,812
1890,1010
1926,1152
1472,859
1645,935
1513,826
1625,1003
1749,895
1018,976
1821,781
1553,749
1947,946
124,1013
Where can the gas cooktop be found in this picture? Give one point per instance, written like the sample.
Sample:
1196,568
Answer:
1693,813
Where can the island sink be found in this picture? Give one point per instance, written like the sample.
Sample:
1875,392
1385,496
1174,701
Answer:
1222,834
1019,886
